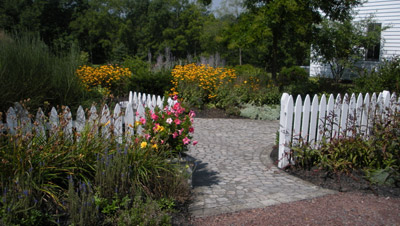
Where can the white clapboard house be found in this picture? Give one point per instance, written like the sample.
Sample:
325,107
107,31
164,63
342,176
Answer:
386,13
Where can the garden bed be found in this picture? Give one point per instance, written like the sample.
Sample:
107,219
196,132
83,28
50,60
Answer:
353,182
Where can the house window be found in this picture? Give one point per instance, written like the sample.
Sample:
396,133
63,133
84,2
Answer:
373,50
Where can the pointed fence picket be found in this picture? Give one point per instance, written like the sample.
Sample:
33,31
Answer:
119,123
302,122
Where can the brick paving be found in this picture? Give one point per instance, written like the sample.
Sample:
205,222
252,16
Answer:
233,169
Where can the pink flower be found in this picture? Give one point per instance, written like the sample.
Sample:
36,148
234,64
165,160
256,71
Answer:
137,113
175,97
142,121
147,136
176,106
192,114
174,135
177,121
162,141
191,129
154,116
186,140
180,131
195,142
169,120
156,126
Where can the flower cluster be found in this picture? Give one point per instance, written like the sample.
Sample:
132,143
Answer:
170,128
207,78
105,76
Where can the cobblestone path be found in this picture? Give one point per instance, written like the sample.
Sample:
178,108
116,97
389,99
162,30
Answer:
234,171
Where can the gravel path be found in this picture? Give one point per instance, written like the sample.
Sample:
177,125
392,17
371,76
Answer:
234,171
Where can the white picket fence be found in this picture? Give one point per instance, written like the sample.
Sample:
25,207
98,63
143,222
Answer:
332,118
120,122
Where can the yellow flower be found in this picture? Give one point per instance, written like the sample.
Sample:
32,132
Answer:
143,144
109,121
160,128
155,146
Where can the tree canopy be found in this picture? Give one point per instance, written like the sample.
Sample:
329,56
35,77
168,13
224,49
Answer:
267,33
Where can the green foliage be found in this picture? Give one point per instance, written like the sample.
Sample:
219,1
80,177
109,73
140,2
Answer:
387,176
246,71
292,75
266,112
270,34
28,70
143,213
342,44
84,178
146,81
40,167
378,156
169,128
317,85
386,77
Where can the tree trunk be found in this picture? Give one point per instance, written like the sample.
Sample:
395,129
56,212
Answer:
274,57
240,56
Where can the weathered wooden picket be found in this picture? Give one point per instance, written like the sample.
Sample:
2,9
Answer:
330,118
120,122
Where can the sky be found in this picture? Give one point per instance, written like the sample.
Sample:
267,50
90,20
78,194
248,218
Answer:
215,4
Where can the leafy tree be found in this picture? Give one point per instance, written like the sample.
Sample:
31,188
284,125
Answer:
288,25
213,38
50,18
96,28
342,44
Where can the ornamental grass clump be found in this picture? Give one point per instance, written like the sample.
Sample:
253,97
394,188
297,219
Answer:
108,78
30,70
199,84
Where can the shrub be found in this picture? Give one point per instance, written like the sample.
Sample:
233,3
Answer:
248,70
292,75
386,77
29,70
266,112
146,81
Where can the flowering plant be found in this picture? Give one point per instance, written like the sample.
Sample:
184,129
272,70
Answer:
108,77
198,84
170,128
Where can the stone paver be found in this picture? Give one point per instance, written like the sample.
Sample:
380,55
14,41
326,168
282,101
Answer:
233,169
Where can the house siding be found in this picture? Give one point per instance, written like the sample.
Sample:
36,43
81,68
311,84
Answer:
386,12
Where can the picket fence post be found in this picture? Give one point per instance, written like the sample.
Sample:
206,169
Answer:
282,130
